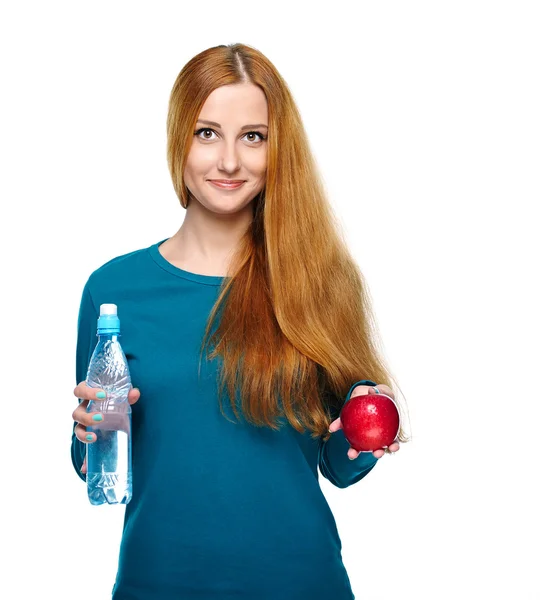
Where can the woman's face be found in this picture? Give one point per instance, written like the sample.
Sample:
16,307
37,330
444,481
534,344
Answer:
225,148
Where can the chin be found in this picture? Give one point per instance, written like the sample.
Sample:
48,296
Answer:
227,208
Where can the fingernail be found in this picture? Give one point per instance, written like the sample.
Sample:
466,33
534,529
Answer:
89,437
97,417
101,395
351,458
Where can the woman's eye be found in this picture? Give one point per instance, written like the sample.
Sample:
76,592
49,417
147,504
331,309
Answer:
249,133
201,130
254,133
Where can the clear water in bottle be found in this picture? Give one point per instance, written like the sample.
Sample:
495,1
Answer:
109,457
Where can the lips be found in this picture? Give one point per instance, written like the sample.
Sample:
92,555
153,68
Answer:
226,184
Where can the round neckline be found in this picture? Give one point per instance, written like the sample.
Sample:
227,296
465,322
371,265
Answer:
168,266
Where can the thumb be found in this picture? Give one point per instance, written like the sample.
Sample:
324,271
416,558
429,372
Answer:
335,425
134,395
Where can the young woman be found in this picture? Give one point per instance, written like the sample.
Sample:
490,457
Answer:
226,499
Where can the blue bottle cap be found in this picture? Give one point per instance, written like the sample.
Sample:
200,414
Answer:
108,321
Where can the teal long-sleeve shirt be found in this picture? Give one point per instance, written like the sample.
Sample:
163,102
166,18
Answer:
220,510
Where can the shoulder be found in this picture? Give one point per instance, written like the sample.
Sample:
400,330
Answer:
121,267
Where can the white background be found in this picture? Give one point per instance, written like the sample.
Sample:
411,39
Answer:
426,119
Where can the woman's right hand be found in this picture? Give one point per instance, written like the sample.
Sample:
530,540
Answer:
85,419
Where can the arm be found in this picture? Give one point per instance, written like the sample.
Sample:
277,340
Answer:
86,342
333,460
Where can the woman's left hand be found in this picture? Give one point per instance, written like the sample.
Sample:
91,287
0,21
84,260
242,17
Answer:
358,391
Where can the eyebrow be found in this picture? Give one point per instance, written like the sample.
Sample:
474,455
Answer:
254,126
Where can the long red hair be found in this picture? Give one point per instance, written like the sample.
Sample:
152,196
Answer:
295,324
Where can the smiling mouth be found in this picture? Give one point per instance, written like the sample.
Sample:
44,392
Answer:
227,185
227,180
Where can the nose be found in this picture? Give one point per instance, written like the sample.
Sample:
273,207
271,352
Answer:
229,158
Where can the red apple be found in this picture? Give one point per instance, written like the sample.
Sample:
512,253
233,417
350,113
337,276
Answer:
370,421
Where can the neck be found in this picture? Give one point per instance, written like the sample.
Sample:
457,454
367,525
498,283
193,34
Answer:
207,238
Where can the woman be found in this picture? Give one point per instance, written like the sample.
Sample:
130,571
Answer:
226,499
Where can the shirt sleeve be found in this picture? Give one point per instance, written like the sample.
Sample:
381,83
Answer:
86,342
333,460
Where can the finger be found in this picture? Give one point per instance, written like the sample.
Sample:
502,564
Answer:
84,466
379,453
384,389
360,390
85,392
335,425
81,434
352,453
81,415
394,447
80,411
133,395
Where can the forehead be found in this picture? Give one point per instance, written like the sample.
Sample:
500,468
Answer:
236,105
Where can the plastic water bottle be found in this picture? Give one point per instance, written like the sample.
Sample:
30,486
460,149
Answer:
109,457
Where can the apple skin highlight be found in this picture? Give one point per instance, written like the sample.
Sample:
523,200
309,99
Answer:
370,421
